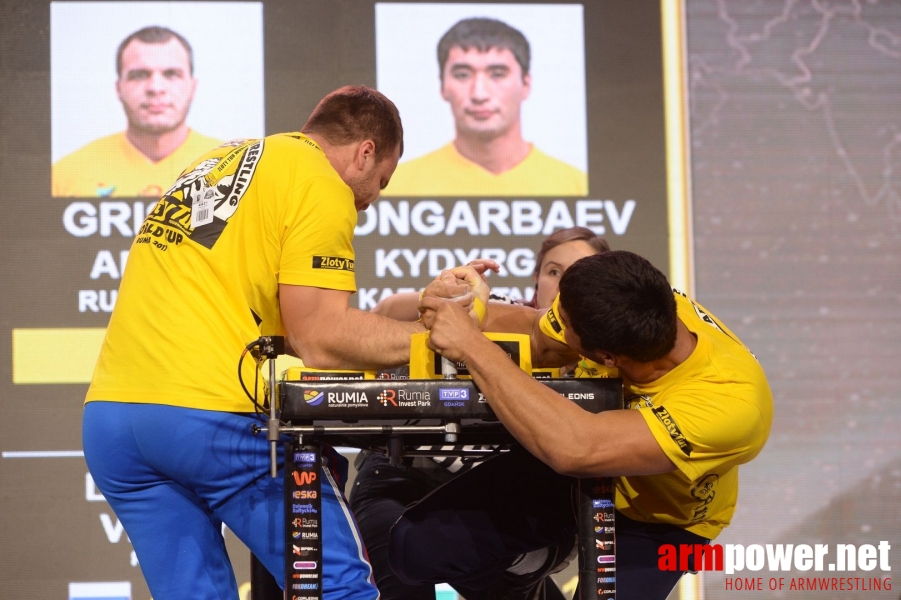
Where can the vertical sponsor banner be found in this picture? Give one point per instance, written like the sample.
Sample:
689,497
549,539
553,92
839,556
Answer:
597,539
303,521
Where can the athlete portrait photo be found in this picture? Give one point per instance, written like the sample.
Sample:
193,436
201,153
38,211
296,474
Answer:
497,96
129,129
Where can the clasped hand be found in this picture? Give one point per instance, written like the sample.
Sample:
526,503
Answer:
454,305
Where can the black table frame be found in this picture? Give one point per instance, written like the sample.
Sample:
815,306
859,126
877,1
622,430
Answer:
393,415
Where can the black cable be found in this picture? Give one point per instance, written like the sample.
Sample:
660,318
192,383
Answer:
258,408
241,374
256,387
261,411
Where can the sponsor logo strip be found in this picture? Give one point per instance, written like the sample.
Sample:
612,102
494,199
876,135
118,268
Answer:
333,263
667,419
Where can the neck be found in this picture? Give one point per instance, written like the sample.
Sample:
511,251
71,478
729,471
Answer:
339,157
647,372
496,155
156,146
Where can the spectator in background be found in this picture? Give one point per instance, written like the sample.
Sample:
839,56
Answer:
155,85
484,70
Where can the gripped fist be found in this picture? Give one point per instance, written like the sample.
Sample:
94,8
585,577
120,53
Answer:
473,276
452,329
464,285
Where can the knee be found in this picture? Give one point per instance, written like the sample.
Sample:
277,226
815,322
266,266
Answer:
410,561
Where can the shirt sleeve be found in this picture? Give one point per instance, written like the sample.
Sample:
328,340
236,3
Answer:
550,323
317,238
702,432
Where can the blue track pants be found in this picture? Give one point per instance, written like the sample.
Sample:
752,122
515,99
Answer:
174,475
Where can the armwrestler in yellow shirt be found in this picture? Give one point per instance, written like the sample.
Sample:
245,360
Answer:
484,65
698,405
156,87
253,239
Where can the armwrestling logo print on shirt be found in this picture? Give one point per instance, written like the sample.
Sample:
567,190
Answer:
200,203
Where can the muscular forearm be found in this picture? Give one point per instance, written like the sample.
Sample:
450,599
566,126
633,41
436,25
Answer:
359,340
549,426
567,438
570,440
327,333
400,306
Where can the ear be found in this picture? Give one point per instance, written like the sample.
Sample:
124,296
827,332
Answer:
365,152
607,359
526,85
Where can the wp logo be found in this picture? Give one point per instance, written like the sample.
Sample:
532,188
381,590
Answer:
305,477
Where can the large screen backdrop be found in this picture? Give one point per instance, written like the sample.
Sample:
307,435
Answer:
594,109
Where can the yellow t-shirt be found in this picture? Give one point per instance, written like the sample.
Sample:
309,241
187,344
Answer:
193,295
446,172
111,166
710,414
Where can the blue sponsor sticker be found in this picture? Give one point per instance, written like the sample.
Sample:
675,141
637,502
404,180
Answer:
303,509
602,503
304,457
453,393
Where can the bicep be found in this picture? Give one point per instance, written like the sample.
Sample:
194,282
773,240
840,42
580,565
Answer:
309,314
713,427
617,443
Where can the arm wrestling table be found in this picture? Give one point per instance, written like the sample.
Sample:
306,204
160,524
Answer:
395,416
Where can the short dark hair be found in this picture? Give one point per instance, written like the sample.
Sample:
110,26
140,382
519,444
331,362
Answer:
618,302
153,35
483,34
570,234
355,113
